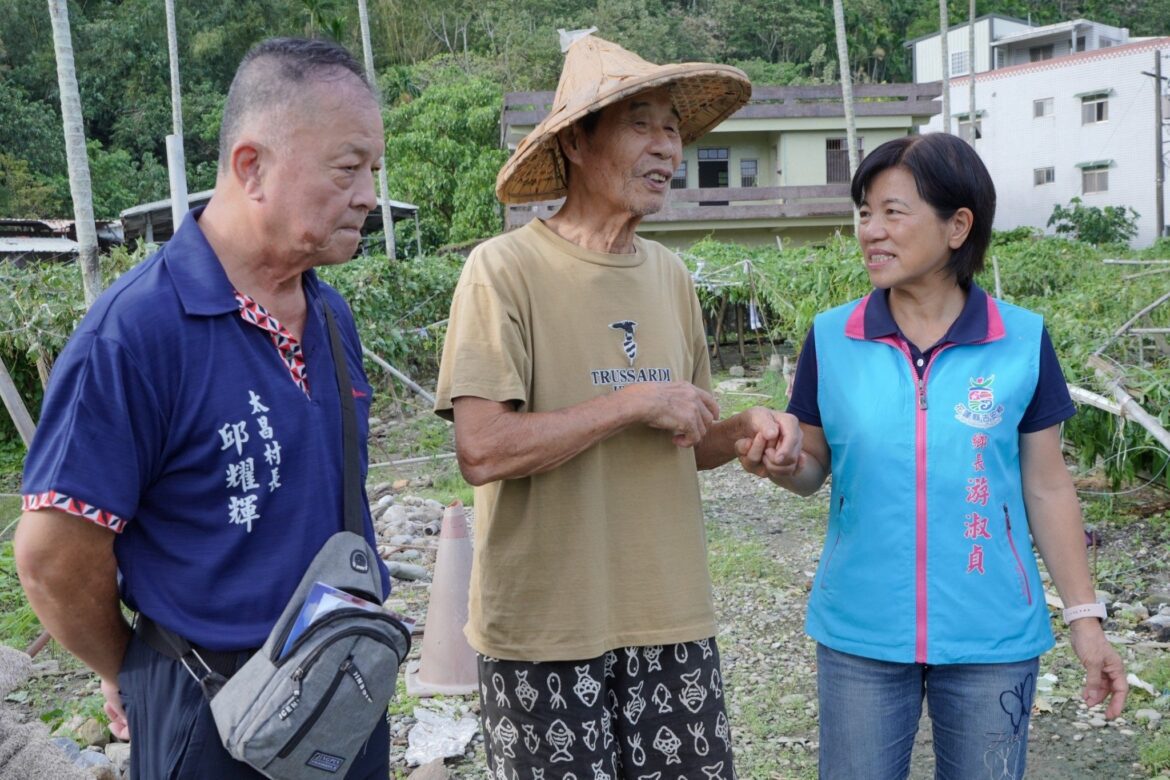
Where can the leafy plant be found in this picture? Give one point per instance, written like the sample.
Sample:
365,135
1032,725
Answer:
401,308
18,625
1155,754
1093,224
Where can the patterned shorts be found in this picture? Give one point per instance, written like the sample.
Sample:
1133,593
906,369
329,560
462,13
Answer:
642,713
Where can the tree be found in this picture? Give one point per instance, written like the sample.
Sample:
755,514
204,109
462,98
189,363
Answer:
79,182
30,137
777,32
445,148
22,194
1093,224
846,91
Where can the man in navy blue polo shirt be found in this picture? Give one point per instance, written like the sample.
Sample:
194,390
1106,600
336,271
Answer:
190,440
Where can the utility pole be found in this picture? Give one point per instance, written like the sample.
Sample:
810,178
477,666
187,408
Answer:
176,159
944,29
971,114
1160,165
383,180
1160,161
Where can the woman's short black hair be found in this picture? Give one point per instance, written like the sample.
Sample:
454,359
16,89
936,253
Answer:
949,176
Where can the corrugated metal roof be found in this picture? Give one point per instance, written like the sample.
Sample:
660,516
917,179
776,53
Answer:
39,245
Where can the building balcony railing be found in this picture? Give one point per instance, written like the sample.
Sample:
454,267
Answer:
522,110
722,204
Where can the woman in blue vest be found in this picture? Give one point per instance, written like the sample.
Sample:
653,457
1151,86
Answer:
937,410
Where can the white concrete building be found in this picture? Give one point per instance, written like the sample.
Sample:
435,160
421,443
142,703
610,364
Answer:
1078,125
1002,41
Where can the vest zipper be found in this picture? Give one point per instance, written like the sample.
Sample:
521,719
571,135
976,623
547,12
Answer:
1007,521
921,586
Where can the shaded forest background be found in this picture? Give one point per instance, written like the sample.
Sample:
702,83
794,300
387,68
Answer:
443,66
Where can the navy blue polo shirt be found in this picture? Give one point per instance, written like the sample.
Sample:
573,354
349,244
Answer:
176,423
1051,403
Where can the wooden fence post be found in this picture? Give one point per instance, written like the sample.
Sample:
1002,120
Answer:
16,408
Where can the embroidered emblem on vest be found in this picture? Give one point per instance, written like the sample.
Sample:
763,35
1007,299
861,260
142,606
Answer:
980,411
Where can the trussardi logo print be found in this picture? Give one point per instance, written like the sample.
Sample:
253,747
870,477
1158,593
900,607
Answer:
629,346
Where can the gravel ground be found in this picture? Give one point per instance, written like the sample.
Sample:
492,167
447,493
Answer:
764,545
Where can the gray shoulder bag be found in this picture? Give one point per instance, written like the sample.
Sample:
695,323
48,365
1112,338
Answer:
306,714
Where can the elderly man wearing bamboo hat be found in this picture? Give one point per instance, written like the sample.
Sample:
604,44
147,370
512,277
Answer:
576,371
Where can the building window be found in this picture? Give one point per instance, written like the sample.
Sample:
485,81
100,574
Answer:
960,63
1094,108
1080,43
1095,179
714,162
1041,107
1001,58
679,180
1043,176
1039,53
1105,43
747,173
837,159
968,132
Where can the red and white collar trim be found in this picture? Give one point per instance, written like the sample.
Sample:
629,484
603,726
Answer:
286,344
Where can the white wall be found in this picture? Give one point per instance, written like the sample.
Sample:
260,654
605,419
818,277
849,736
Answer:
1014,143
928,53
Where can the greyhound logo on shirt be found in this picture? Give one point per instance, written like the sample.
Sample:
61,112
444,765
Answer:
629,346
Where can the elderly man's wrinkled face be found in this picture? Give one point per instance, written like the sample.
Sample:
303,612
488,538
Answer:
320,182
628,160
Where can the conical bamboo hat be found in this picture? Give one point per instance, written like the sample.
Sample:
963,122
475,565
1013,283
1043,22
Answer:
598,73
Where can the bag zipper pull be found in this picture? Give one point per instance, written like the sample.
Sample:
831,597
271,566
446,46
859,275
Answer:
351,669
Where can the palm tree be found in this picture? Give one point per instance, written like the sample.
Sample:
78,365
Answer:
383,182
846,92
80,187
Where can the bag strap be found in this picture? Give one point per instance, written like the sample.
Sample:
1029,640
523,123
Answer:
352,477
179,648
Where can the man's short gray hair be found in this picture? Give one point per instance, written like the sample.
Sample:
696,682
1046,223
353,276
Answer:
273,74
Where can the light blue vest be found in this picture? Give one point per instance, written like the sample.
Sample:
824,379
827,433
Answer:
928,557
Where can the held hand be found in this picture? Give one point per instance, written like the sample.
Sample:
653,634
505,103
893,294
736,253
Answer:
775,448
764,458
678,407
1104,671
119,726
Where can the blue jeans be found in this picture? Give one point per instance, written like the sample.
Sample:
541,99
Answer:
869,713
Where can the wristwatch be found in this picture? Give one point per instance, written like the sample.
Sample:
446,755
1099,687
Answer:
1096,609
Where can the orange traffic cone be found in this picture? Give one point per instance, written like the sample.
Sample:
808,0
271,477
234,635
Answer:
448,663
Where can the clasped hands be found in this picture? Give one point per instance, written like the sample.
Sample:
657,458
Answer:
773,450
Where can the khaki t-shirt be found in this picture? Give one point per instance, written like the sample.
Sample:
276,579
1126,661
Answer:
608,549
